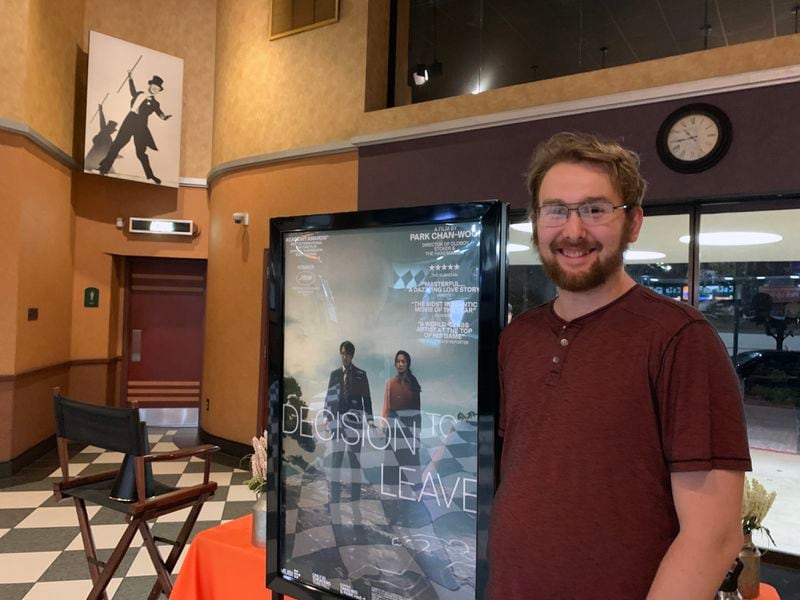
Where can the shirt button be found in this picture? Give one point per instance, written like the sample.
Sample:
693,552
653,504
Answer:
564,342
555,359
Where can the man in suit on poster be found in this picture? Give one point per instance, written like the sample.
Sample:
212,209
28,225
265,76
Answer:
348,404
143,104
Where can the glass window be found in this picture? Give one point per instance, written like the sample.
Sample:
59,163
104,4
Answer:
749,289
457,48
658,260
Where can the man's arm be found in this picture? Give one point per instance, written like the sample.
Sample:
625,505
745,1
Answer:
709,505
131,86
367,399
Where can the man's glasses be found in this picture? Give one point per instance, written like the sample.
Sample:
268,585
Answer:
594,212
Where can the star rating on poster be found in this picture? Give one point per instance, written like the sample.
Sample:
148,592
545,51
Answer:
445,267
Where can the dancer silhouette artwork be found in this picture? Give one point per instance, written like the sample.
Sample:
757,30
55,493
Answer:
143,104
101,142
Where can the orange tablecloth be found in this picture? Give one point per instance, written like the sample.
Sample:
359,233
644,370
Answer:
222,564
767,592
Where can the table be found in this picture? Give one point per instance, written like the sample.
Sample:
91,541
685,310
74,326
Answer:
767,592
222,564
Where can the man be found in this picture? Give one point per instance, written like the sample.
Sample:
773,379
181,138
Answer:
623,432
135,126
348,403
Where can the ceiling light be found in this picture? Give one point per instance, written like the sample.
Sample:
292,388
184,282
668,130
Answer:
524,227
510,247
420,74
761,278
734,238
794,276
728,278
643,255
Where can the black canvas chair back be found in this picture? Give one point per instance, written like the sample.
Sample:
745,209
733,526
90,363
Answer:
121,430
116,429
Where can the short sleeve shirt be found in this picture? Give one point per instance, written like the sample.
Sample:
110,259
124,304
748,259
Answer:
595,414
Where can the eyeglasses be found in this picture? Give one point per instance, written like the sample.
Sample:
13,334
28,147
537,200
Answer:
594,212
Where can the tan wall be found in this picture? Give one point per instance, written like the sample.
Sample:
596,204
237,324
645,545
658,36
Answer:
13,41
98,201
54,35
296,91
6,418
235,274
310,89
36,271
11,159
45,262
32,421
182,28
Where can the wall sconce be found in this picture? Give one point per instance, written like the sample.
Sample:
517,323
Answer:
241,218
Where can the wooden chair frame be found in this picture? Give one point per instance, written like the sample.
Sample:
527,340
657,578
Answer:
137,513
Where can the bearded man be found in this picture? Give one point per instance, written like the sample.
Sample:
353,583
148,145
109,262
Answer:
621,419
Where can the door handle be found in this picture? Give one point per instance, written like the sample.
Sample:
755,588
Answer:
136,345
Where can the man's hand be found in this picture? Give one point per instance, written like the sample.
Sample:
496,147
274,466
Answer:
166,117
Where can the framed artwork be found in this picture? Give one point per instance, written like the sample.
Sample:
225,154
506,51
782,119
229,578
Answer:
383,390
288,17
133,112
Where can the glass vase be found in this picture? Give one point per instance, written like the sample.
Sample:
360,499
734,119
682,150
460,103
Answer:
259,535
750,577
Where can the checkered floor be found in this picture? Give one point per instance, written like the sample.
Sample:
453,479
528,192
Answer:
41,554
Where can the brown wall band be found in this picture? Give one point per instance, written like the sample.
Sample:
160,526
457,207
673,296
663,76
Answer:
62,365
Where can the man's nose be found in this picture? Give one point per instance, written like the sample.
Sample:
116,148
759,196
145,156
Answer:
574,227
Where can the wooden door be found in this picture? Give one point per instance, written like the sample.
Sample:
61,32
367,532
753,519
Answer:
164,332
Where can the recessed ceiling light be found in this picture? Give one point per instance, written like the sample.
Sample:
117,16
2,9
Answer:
524,227
735,238
517,247
643,255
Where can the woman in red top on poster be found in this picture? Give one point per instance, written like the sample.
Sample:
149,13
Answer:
401,409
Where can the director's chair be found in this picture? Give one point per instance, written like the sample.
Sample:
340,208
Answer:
120,430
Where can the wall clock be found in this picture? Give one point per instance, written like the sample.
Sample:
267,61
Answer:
694,138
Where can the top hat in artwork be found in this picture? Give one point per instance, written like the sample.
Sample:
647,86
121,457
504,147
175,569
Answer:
156,80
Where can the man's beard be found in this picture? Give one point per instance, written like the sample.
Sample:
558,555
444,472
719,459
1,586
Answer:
599,272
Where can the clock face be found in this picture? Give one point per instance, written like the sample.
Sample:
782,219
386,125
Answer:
693,137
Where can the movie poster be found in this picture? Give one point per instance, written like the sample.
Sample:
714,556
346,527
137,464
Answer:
133,112
379,411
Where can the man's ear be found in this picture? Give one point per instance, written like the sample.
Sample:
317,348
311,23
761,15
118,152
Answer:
636,216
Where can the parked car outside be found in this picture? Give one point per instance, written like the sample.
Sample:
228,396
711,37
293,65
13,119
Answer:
769,369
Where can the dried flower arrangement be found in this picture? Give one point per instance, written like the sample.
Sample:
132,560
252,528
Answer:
755,506
258,465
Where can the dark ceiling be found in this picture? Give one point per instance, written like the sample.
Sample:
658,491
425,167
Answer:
505,42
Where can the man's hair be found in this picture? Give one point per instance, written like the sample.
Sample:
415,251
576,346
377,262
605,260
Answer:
348,348
620,163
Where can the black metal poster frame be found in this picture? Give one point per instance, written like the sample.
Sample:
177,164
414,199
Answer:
489,222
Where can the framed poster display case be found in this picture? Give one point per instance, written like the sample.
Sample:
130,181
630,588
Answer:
382,398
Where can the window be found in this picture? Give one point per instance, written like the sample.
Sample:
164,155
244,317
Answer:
746,282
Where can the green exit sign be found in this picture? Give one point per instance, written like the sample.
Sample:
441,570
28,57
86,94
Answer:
91,297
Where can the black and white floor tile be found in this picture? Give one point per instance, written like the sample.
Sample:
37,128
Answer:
41,553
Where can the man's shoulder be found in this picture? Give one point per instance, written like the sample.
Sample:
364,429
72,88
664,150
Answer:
665,313
359,372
